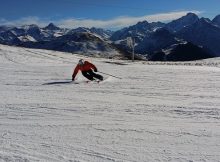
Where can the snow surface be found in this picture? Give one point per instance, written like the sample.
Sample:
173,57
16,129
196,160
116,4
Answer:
27,38
157,112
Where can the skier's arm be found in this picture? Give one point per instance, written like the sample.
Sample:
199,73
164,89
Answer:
75,72
93,67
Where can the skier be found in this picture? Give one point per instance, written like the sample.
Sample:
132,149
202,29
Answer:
87,69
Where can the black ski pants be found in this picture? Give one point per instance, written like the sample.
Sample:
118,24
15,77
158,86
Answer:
91,75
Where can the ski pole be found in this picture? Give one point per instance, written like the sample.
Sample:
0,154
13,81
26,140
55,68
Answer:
110,75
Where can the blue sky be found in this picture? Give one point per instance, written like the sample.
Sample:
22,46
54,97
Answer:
101,13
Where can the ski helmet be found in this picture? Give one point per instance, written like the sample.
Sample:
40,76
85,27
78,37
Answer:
81,62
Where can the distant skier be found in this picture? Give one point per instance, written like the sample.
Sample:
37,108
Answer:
87,69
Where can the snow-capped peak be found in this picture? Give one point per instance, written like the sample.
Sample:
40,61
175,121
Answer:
180,23
51,26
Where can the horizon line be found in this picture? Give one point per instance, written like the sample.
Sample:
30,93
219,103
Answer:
110,24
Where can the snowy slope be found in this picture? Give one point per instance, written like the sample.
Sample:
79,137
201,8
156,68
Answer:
155,113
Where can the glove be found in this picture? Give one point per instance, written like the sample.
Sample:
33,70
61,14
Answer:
95,70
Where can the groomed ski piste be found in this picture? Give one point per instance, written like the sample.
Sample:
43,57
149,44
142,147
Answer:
158,112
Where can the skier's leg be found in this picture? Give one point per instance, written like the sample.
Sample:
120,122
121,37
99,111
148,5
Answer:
87,75
96,75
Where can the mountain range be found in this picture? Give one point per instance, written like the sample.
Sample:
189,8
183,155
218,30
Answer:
187,38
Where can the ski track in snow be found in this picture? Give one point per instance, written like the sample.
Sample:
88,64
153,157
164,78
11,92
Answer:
157,112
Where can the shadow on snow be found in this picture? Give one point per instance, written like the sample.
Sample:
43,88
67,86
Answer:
54,83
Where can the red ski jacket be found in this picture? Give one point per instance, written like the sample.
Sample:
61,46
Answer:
85,67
